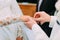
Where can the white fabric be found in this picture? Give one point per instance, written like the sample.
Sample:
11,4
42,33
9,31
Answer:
29,32
55,34
52,21
39,33
10,8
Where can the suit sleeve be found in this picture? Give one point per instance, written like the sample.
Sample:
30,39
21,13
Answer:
39,33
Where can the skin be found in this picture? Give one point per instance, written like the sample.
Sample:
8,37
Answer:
29,21
41,17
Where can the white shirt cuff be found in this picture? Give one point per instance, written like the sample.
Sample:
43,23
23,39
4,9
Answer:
53,19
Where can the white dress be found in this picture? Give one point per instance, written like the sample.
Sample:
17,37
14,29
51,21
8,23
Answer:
10,8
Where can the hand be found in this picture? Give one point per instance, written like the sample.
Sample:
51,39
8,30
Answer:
42,17
24,18
29,21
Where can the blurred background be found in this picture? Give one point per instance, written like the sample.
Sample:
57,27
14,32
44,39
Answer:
28,6
29,1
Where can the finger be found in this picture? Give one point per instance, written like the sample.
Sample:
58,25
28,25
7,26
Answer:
38,19
35,14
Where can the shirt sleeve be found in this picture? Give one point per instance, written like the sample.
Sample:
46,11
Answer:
52,22
39,33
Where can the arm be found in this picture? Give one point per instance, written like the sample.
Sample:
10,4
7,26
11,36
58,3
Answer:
31,24
43,17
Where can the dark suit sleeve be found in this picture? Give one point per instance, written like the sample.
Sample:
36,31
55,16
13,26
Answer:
48,6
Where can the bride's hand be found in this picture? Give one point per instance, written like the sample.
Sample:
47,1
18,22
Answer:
29,21
24,18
